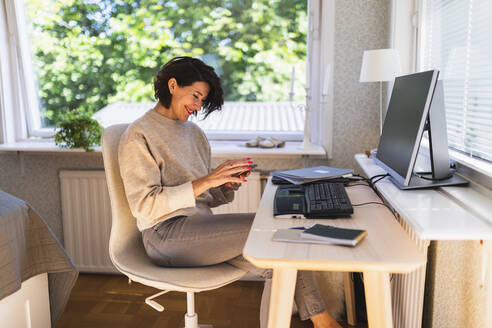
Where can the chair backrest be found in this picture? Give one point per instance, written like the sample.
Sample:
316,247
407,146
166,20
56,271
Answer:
124,232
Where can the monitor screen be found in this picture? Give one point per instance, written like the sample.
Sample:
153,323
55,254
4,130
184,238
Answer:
404,123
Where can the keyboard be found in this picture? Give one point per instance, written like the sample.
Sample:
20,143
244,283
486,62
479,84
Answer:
327,199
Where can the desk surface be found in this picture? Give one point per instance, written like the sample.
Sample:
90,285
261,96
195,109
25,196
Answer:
387,248
432,213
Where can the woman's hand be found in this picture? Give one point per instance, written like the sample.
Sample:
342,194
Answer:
235,186
223,174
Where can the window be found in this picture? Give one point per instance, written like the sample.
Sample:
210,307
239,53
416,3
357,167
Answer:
456,38
89,54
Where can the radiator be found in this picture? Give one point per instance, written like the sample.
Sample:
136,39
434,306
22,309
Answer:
86,214
408,289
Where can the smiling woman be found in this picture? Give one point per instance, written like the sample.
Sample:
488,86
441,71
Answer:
165,165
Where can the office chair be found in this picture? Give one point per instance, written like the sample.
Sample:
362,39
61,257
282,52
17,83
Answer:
127,252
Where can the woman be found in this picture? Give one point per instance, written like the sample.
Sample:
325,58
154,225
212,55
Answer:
165,166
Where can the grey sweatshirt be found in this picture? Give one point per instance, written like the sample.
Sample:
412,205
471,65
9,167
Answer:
159,158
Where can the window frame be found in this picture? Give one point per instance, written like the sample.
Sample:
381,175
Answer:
30,115
19,45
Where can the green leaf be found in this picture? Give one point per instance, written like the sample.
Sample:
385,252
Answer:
77,129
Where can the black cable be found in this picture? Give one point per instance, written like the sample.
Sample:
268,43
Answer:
377,176
361,177
381,177
368,203
377,203
357,177
356,182
371,184
419,174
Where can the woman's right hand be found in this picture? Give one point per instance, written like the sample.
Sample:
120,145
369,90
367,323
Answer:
221,175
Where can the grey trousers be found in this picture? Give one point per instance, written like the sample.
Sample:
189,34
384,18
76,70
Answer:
202,240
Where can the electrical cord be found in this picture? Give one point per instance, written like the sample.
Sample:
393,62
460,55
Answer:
371,184
379,176
360,177
377,203
420,175
357,178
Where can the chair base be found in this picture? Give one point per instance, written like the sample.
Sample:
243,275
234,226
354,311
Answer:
150,302
192,322
190,317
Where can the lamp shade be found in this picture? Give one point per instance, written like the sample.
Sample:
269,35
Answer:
380,65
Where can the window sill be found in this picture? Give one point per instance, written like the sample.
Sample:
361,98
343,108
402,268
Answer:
40,146
446,213
238,148
472,168
219,149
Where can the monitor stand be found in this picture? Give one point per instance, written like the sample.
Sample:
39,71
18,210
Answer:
438,148
416,182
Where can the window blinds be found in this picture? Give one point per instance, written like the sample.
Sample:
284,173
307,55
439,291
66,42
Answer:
457,39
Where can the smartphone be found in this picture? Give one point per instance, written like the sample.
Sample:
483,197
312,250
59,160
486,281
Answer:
238,174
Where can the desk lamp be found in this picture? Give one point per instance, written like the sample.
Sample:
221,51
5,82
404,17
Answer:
380,65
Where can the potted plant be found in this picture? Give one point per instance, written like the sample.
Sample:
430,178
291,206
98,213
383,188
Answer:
77,129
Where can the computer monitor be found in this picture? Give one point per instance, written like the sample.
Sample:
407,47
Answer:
416,105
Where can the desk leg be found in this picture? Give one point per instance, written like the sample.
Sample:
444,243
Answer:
282,297
348,285
378,299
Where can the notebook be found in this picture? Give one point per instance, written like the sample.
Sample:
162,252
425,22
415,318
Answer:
310,174
337,236
334,235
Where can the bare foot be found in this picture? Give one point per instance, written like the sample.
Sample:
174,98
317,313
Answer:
324,320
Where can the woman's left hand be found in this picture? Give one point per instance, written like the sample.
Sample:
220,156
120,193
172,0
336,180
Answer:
223,174
233,185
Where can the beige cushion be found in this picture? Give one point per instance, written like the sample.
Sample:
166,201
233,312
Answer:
125,245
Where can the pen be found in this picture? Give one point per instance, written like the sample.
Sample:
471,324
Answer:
300,228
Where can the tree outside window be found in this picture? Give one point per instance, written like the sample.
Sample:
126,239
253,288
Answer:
90,53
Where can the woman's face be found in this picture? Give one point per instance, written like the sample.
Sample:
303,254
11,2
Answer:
186,100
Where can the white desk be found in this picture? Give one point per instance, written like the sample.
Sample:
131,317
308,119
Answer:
446,213
386,249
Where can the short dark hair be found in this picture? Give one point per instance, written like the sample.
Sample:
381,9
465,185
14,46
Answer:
186,71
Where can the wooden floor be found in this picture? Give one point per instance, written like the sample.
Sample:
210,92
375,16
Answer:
109,301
